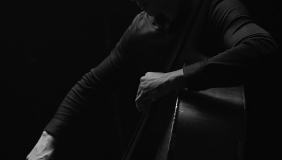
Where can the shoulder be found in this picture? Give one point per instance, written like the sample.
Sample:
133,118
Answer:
223,12
134,34
133,28
221,7
141,21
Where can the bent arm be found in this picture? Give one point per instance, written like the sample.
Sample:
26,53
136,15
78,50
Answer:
249,50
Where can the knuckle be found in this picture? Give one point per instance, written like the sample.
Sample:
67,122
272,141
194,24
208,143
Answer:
142,78
148,73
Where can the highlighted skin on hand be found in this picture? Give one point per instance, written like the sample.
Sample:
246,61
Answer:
44,149
156,84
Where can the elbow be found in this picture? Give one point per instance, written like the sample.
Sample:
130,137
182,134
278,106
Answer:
264,47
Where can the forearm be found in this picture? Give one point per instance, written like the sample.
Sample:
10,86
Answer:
254,57
90,91
177,79
79,99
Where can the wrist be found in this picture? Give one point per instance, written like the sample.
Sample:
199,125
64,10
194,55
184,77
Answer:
178,79
47,137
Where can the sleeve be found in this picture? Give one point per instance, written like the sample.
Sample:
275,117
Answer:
110,73
249,50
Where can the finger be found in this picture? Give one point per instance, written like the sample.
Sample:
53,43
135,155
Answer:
143,103
139,101
138,92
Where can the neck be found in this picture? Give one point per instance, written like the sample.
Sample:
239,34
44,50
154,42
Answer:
172,9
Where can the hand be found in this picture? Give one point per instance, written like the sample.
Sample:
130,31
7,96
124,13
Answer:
44,149
155,84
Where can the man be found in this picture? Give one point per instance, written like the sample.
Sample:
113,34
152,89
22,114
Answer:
237,47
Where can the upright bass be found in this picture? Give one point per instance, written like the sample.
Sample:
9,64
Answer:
208,124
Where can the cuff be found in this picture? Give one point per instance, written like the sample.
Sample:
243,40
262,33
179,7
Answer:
194,78
56,128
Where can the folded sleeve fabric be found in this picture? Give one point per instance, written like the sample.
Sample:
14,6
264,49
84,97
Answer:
242,49
248,50
94,86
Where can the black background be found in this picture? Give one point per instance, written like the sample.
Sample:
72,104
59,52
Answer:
47,46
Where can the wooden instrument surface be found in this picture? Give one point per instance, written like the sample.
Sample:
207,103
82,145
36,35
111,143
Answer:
201,125
209,124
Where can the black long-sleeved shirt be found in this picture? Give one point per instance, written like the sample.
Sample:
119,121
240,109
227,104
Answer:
235,45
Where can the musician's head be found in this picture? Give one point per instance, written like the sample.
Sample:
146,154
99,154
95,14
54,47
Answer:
155,7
